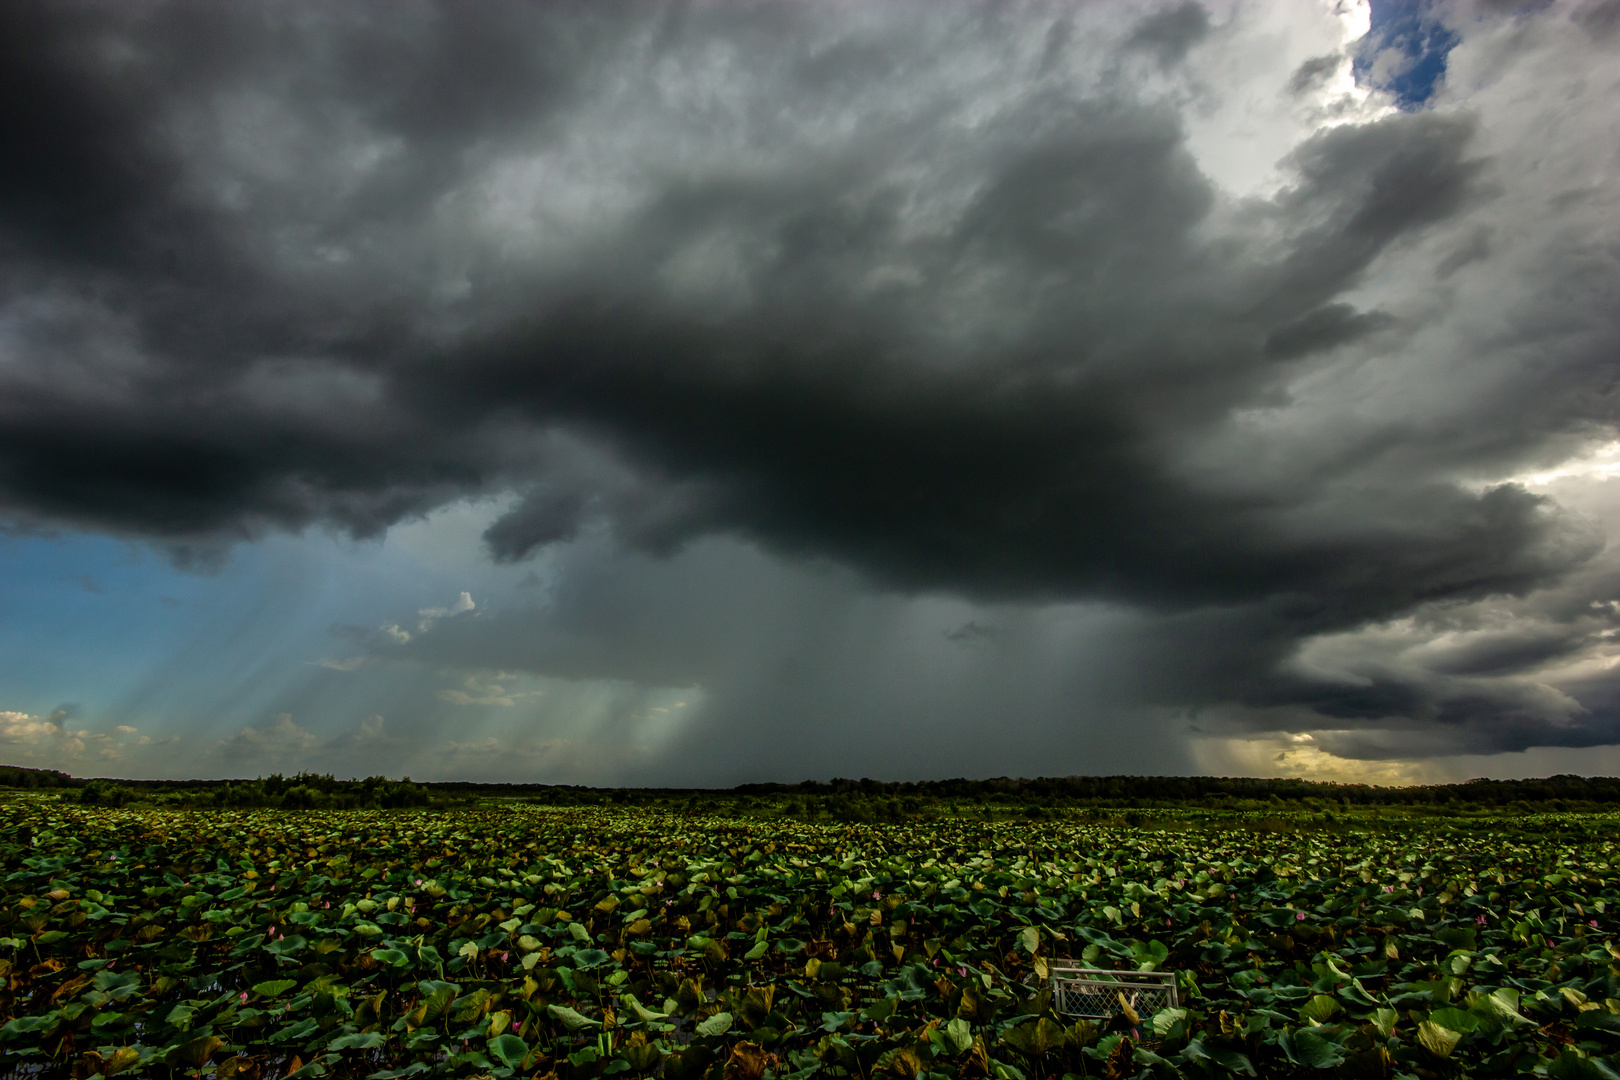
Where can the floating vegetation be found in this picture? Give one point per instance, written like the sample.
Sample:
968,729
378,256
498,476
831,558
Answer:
522,940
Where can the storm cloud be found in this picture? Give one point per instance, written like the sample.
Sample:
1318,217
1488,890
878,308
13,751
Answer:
977,310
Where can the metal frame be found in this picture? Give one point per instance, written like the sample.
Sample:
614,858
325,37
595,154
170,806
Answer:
1096,992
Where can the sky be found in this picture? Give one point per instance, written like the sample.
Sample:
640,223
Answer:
705,393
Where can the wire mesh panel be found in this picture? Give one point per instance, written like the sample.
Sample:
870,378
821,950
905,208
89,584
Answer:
1099,994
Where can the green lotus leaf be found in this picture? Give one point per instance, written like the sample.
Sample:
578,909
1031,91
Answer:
274,988
1166,1019
959,1033
296,1032
571,1020
1306,1047
1437,1040
644,1014
1458,1020
358,1040
1320,1008
508,1049
117,985
23,1025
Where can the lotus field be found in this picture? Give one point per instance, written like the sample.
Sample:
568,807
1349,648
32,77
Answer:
521,940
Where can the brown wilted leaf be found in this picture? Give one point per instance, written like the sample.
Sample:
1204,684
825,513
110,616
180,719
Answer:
238,1068
196,1052
901,1062
124,1058
71,987
978,1058
748,1061
1118,1066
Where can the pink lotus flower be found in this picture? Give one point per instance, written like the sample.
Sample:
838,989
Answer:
1389,888
1593,924
876,895
1479,920
244,997
1299,916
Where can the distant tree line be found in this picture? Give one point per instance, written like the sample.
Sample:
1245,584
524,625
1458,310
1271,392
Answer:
18,776
1147,791
842,799
305,791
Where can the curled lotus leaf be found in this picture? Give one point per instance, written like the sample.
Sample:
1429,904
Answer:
571,1019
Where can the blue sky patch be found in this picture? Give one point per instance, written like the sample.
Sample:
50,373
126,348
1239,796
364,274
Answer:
1405,51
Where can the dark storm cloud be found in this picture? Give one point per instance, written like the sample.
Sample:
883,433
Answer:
780,275
1324,328
1601,18
80,181
1171,32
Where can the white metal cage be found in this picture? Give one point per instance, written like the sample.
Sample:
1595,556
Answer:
1098,993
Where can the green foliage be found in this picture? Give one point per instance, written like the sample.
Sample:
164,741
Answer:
583,941
1127,800
306,791
17,776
